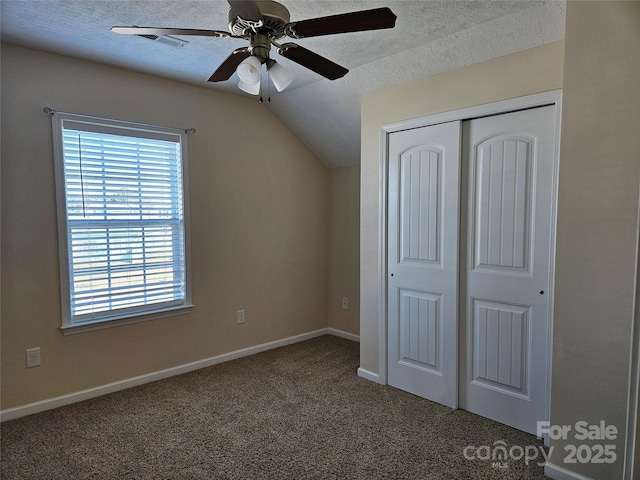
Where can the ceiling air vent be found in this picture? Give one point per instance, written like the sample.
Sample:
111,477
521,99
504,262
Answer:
166,39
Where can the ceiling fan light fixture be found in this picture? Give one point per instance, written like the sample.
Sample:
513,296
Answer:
249,70
250,88
280,76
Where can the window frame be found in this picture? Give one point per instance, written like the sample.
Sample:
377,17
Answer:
126,129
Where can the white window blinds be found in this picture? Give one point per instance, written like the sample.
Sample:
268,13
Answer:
124,214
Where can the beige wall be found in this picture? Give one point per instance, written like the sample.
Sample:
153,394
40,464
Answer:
597,223
531,71
344,246
259,227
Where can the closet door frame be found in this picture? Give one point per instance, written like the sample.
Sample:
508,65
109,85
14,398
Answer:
553,98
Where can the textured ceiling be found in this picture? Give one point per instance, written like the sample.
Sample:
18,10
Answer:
429,37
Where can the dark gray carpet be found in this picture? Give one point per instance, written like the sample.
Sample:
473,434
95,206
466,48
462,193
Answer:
297,412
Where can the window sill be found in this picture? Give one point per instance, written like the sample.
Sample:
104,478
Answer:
109,323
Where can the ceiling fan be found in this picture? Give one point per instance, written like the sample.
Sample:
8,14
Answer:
263,24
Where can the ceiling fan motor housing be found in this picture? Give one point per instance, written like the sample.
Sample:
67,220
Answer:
275,18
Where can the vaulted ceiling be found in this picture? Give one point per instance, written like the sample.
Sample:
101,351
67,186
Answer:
429,37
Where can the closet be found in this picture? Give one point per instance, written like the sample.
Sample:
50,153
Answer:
469,252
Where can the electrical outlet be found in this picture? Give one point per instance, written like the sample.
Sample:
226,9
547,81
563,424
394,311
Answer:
345,303
33,357
240,316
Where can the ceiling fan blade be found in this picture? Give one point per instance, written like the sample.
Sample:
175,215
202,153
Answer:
246,9
169,31
375,19
312,61
228,67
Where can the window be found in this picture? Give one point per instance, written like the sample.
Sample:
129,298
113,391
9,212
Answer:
122,221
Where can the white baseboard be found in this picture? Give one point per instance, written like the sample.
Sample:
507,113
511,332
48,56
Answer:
366,374
343,334
31,408
558,473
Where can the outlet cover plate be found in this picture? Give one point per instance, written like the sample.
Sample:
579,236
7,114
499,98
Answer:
33,357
